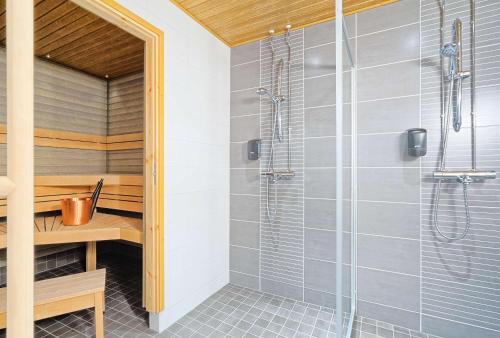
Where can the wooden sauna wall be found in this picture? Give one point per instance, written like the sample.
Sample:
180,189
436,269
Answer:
65,100
126,115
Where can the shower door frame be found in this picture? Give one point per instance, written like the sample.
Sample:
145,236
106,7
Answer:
341,35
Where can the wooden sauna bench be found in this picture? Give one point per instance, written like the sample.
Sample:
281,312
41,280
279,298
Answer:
102,227
119,193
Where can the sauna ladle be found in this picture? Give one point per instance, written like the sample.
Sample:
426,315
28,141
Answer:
95,196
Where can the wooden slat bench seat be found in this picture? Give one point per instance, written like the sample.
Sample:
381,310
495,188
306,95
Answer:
61,295
102,227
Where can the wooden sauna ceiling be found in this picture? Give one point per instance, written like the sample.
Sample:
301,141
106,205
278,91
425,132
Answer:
81,40
241,21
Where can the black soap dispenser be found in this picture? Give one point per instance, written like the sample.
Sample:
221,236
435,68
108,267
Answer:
417,142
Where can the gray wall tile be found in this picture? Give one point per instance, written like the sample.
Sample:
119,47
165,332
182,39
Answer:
239,156
325,32
319,244
392,80
320,91
320,152
388,288
319,213
400,13
446,328
245,181
391,115
320,183
385,150
319,275
389,219
320,60
391,254
389,184
245,53
389,46
245,102
245,234
245,207
319,297
244,280
321,121
281,289
244,260
245,76
401,317
245,128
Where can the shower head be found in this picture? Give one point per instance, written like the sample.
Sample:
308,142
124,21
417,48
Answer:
449,50
263,91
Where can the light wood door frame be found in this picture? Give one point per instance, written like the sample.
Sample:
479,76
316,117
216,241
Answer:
20,167
153,258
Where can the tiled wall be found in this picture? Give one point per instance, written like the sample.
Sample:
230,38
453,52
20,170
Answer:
196,159
388,59
294,256
406,275
461,280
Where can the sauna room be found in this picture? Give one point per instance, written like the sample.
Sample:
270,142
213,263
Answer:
89,157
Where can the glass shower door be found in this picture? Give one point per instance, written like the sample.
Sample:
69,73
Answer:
346,182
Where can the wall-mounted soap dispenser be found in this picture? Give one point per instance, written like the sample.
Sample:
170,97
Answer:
417,142
253,149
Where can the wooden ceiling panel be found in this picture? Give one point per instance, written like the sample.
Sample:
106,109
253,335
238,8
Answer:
237,22
76,38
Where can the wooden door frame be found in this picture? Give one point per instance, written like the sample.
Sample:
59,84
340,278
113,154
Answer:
153,218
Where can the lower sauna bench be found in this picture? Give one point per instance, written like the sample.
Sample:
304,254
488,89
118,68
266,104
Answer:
61,295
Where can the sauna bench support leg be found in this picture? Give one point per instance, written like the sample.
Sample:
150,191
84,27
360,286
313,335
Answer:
91,256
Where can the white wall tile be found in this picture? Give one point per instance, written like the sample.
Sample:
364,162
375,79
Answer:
196,159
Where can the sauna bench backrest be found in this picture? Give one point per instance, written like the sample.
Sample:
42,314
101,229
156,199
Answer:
120,192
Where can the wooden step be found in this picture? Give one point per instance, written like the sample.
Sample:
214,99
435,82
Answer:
61,295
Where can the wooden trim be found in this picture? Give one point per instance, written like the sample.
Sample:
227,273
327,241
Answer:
20,167
153,274
90,180
68,139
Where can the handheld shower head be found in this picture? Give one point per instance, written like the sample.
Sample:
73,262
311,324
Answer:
449,50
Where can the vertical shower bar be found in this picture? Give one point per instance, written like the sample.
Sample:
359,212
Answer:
473,82
338,163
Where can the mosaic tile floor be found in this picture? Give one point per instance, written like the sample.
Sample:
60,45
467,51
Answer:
233,311
124,316
240,312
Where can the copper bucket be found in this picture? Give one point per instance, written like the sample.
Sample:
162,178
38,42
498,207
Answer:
76,211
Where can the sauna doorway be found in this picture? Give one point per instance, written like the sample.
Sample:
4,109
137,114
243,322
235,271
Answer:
99,113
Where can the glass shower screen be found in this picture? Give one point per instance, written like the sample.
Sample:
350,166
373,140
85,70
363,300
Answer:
346,180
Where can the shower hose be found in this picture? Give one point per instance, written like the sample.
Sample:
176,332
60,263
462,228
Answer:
465,181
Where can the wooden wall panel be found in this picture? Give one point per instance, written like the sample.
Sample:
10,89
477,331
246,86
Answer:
126,115
126,105
125,161
65,100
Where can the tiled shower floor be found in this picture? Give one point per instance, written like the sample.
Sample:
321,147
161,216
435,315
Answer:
233,311
240,312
